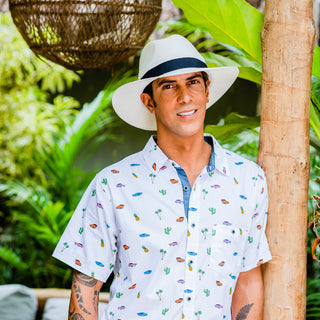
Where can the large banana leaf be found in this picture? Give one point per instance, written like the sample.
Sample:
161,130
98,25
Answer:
248,69
316,62
315,105
233,22
232,124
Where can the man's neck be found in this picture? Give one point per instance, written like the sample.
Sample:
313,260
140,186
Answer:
191,153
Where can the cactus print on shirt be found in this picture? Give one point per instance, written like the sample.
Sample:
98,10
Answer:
131,221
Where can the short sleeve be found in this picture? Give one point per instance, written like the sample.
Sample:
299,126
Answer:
257,250
88,243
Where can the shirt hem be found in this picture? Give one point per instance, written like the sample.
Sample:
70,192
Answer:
71,264
265,260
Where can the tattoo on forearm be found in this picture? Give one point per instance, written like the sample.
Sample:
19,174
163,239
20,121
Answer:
85,280
80,299
77,316
95,300
244,311
82,279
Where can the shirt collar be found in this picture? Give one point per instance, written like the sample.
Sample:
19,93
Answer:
220,157
157,160
211,164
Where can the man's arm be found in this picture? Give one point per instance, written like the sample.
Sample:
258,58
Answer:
84,297
248,297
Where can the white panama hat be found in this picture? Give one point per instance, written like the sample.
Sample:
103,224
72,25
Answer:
171,56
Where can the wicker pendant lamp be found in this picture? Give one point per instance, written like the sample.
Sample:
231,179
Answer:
87,35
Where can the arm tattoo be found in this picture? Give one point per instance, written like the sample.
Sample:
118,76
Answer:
77,316
244,311
80,278
85,280
95,300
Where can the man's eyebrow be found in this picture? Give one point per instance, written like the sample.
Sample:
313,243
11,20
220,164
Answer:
195,76
164,81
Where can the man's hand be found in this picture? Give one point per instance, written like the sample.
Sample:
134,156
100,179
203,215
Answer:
84,297
248,297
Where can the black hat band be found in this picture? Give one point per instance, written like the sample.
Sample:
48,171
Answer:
172,65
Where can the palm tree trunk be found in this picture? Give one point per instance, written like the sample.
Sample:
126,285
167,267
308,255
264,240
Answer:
288,38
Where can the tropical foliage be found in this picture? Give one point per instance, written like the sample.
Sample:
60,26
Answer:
42,179
29,113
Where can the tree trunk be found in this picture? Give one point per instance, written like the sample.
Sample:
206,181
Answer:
288,38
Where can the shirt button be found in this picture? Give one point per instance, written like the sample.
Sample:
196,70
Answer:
191,261
185,188
193,225
188,298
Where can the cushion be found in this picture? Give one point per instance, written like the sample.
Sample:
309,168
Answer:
17,302
58,308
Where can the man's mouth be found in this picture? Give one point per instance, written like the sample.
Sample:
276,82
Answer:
187,113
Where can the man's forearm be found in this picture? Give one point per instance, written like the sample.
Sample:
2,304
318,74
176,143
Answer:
243,312
84,297
248,298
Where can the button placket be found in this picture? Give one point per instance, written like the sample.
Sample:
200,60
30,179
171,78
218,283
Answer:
192,252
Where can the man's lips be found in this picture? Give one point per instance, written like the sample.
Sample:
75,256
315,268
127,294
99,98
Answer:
187,113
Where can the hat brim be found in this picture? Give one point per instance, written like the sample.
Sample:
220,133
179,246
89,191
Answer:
129,107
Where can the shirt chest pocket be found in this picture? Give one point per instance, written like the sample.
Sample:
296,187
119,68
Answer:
227,245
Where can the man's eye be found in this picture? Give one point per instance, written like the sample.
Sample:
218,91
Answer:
194,81
167,86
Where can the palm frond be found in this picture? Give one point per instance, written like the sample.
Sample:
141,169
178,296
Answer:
9,256
35,195
58,160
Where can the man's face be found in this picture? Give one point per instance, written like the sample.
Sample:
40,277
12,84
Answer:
179,104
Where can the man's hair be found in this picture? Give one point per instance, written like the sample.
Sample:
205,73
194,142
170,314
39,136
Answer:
149,91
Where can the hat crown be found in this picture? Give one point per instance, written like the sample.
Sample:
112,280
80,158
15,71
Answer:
160,51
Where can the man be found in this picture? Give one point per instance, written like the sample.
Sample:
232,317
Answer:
181,223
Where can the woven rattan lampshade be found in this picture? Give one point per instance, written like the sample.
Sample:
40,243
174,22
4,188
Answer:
80,34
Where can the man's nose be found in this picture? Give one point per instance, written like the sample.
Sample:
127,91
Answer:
184,95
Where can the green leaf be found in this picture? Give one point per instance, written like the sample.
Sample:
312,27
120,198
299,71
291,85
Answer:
36,196
46,228
248,69
314,140
233,124
316,62
12,258
233,22
315,105
58,159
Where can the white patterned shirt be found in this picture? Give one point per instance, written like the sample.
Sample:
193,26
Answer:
131,221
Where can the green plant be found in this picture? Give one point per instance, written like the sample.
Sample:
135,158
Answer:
30,110
41,175
40,213
313,299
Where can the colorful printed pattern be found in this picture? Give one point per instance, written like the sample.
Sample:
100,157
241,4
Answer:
131,221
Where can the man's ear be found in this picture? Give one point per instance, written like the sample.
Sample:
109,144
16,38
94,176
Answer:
147,101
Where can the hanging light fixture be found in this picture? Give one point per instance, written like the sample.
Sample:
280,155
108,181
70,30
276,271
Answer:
85,35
